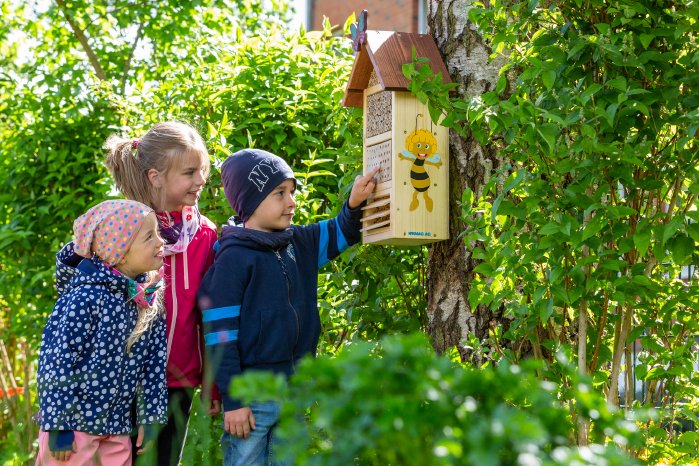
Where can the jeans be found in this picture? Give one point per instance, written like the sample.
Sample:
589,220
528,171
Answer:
257,449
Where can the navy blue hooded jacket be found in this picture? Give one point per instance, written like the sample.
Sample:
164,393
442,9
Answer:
87,381
260,297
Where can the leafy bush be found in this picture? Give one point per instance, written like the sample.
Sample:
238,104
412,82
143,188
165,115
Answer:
398,403
583,231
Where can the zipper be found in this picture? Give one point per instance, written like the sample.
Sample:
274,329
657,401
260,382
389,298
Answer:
288,299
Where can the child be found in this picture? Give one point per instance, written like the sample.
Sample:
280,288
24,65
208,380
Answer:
166,169
103,344
259,299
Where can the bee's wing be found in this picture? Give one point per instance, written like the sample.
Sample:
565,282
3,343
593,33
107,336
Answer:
435,158
408,154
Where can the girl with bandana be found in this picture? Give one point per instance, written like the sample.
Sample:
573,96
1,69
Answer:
103,345
166,169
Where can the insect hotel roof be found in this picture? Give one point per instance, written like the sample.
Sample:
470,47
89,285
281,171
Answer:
385,53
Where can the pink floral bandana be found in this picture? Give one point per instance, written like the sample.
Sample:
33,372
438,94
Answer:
108,229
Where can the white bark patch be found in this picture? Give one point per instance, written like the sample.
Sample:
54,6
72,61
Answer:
468,59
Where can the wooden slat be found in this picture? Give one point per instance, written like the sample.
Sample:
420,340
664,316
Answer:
377,139
374,226
382,213
376,204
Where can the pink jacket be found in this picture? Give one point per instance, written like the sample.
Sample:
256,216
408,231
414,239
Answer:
183,274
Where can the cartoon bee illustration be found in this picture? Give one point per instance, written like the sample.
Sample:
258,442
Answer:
421,148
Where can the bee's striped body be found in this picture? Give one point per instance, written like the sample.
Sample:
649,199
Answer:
419,177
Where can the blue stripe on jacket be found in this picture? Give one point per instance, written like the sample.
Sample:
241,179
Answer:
327,249
221,313
323,243
216,338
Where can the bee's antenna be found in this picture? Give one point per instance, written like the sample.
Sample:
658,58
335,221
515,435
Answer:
418,115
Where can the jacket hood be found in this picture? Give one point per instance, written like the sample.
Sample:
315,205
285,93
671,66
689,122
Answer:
236,234
73,270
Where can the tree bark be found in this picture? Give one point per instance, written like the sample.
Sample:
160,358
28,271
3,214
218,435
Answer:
450,263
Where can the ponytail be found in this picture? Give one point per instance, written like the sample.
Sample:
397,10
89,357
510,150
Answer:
129,171
161,148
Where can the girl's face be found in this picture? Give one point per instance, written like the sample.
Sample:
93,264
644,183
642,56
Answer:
276,211
181,186
146,252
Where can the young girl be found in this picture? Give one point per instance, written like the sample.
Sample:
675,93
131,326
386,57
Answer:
166,169
102,347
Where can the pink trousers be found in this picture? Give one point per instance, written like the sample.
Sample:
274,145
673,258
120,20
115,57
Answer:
92,450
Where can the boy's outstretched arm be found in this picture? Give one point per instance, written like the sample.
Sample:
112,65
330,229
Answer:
333,236
362,188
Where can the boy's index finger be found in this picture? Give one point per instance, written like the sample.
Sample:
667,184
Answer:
372,175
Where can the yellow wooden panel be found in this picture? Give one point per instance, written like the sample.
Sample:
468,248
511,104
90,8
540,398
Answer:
412,200
420,172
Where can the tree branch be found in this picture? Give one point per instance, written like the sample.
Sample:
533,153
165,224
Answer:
127,65
80,35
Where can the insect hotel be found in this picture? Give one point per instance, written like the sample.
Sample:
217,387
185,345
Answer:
410,205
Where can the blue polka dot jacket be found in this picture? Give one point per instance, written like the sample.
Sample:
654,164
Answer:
87,381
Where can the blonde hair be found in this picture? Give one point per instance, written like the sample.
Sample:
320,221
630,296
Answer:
161,148
147,315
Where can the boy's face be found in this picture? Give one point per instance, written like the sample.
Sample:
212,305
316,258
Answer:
276,211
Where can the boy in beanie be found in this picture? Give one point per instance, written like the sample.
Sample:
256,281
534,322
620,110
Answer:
259,299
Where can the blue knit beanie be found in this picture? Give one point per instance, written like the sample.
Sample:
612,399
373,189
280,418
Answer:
249,175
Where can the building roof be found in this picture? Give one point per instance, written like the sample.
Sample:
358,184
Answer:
385,52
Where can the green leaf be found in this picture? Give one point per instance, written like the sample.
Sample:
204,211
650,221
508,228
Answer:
501,84
549,78
671,228
641,239
496,205
550,228
593,227
646,39
682,248
591,90
546,311
618,83
693,231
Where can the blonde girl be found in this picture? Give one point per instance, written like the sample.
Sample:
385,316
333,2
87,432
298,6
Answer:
102,347
167,168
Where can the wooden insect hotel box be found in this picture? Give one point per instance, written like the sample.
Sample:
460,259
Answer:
410,205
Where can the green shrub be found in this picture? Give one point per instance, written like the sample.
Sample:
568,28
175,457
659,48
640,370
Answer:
397,403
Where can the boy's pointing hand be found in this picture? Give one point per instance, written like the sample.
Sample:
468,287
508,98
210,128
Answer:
363,186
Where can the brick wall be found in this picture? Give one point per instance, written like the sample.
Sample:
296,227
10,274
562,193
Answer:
384,15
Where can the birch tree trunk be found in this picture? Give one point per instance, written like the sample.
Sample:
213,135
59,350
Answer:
450,263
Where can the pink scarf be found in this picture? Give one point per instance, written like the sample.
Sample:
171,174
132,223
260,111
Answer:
178,236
